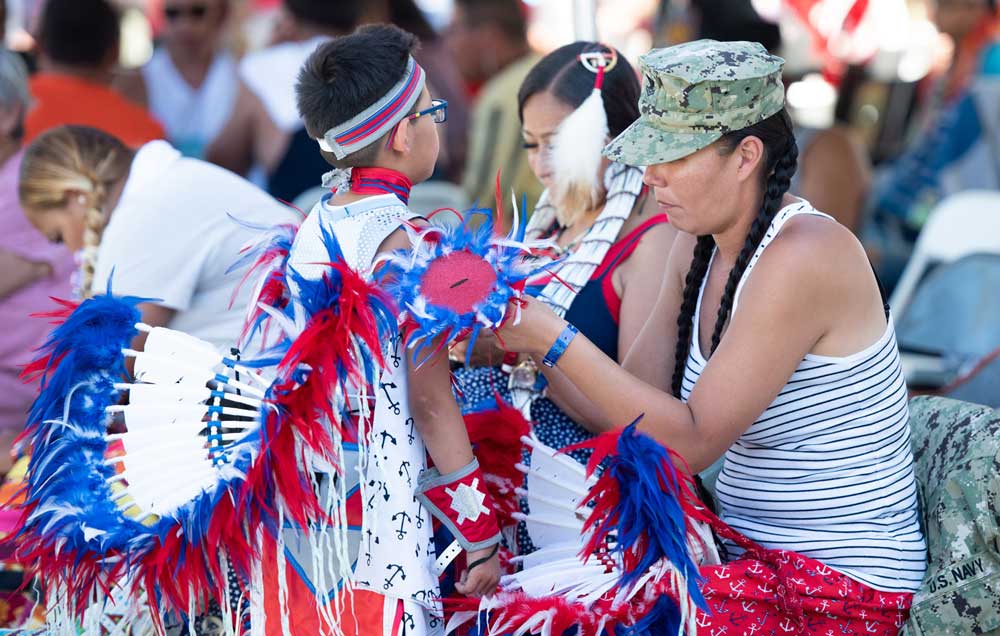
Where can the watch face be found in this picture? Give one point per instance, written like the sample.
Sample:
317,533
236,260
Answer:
459,281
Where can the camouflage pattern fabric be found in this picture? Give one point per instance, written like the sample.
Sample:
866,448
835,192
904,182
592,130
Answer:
956,446
694,93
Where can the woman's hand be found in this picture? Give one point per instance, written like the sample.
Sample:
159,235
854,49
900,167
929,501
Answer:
531,327
487,351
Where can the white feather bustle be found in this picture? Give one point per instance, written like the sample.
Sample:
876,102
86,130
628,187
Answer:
576,160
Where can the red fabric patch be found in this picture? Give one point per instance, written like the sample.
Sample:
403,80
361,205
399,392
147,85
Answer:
460,281
361,613
782,593
468,504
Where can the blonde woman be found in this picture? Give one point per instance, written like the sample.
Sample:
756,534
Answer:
153,222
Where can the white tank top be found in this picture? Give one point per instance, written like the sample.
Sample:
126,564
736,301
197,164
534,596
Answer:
192,116
827,470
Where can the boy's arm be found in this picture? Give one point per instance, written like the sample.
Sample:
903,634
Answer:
437,418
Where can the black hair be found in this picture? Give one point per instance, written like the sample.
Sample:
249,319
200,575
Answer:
408,16
561,73
337,16
81,33
348,74
507,15
780,159
731,20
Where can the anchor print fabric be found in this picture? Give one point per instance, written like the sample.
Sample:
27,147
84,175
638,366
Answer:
782,593
397,543
391,543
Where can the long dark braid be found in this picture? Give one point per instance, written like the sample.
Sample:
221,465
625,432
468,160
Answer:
692,285
781,156
774,191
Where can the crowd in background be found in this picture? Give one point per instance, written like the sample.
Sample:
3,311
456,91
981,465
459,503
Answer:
217,83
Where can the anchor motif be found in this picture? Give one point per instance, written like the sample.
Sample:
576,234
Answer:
409,434
382,487
404,467
403,518
408,622
393,405
395,351
387,435
420,518
737,588
398,572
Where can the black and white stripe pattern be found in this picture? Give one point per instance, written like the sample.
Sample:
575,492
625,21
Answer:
827,469
623,185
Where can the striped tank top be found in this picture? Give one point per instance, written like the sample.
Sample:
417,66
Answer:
827,470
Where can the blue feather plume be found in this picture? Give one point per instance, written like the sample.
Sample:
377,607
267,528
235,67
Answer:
643,509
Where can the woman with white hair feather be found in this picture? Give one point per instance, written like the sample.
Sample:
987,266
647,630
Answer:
612,240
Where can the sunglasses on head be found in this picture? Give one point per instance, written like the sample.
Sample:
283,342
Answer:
195,11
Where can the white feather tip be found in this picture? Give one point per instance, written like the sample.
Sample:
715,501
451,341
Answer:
576,158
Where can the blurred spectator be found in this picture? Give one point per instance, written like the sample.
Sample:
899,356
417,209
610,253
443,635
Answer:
264,128
958,147
31,268
190,83
159,220
78,49
972,26
729,20
834,172
488,38
443,77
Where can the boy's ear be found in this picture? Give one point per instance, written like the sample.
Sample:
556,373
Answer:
401,140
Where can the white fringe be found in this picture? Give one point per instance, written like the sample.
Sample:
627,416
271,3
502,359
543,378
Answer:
257,616
279,548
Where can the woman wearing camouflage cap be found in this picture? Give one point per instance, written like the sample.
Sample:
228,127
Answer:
782,358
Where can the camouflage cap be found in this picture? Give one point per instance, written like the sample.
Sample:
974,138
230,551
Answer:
693,93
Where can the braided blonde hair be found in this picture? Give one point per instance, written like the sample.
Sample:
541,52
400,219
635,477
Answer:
74,159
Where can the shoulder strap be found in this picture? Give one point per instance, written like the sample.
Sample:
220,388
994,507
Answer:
881,291
623,248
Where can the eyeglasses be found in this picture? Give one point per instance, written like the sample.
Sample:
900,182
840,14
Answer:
195,12
438,110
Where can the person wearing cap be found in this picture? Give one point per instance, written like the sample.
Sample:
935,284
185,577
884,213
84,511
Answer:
781,358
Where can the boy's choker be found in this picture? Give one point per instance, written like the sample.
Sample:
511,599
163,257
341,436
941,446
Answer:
381,181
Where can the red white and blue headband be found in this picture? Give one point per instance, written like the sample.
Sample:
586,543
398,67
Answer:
378,119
